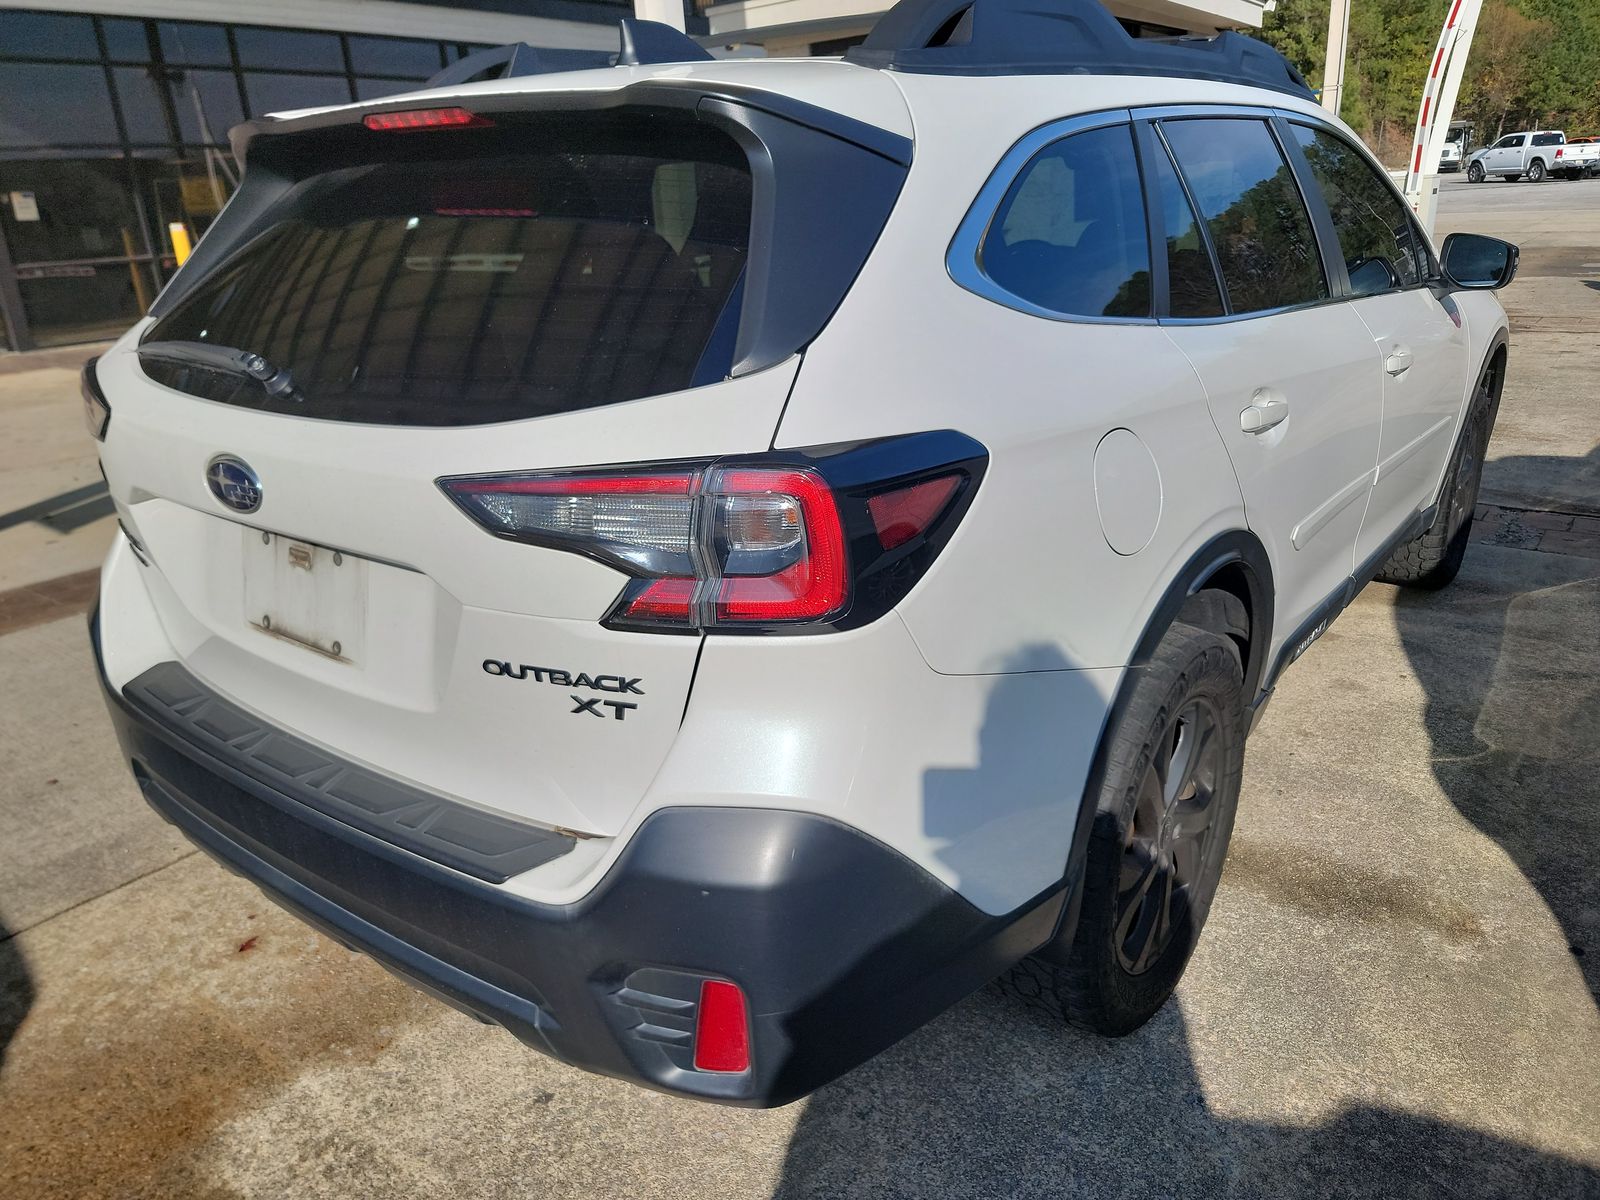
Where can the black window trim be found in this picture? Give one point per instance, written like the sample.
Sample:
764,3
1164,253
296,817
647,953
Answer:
1164,297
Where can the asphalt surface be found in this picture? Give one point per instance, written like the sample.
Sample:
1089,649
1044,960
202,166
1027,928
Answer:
1395,997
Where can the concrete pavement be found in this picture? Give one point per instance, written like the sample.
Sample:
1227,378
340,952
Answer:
1395,996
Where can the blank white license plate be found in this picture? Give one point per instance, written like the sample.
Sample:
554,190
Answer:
306,594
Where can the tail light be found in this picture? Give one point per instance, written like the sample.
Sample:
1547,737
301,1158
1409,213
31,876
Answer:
96,412
780,542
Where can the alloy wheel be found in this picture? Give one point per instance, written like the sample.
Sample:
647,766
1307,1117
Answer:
1169,838
1464,489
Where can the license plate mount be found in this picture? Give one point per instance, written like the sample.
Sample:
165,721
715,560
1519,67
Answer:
310,595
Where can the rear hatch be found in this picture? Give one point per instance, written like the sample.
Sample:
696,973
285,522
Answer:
521,287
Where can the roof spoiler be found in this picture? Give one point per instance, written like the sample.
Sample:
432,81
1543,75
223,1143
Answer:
641,42
1066,37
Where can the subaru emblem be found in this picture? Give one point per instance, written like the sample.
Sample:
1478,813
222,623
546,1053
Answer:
234,483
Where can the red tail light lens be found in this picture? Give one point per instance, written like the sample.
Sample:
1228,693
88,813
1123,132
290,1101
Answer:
780,546
424,118
716,546
782,542
721,1028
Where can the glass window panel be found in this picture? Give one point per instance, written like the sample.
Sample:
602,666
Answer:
394,56
48,35
1252,206
288,48
1070,235
141,105
66,105
219,101
376,89
280,93
187,42
1191,282
67,304
125,39
1376,237
83,205
492,288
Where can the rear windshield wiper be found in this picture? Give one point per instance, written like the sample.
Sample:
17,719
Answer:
276,381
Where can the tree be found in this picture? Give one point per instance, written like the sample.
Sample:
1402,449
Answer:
1504,64
1533,64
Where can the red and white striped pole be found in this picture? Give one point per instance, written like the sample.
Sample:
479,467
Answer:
1439,99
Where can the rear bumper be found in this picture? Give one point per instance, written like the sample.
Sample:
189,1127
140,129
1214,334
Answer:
841,945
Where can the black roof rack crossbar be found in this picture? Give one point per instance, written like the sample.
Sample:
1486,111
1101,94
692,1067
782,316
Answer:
1019,37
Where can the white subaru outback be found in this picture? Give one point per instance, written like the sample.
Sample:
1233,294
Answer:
704,564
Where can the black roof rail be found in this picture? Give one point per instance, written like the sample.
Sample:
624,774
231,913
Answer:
1065,37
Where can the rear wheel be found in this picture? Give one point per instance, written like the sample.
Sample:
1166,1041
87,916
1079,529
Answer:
1433,560
1536,171
1164,815
1475,173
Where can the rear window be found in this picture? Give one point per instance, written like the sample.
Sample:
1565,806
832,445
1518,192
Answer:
1547,139
535,280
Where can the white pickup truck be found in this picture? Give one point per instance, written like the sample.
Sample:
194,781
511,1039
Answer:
1534,155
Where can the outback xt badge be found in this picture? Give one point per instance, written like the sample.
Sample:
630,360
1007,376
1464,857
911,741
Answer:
598,683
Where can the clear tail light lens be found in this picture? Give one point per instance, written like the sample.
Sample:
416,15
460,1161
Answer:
96,412
749,545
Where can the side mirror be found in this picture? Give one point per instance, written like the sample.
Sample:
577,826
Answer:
1471,260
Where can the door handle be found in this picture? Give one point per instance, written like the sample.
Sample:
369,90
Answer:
1399,360
1265,411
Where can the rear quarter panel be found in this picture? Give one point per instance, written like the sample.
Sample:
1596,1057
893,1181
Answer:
1030,581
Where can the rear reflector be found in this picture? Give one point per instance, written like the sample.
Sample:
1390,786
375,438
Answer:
721,1028
902,515
424,118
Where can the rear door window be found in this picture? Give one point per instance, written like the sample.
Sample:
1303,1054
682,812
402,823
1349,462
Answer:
1070,235
1252,207
532,281
1191,282
1376,237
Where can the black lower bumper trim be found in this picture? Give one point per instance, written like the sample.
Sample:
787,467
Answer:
841,944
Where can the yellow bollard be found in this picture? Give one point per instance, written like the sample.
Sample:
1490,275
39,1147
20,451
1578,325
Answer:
179,233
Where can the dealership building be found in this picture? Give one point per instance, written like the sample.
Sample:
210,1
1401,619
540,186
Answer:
114,116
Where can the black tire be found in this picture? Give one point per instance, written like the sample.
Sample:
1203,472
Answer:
1475,173
1156,848
1434,559
1536,171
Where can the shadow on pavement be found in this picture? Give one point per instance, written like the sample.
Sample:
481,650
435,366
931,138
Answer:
16,989
1569,483
1510,662
996,1100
